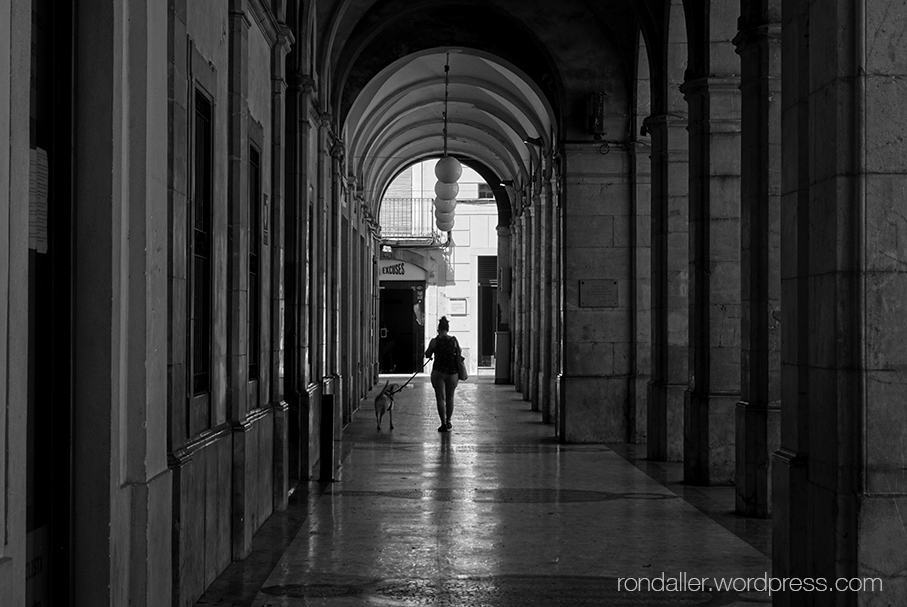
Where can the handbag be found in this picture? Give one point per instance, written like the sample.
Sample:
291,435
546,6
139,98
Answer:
461,368
461,364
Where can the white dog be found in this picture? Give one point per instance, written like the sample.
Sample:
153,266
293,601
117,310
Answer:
384,403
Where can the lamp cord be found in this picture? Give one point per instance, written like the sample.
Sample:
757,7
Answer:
446,84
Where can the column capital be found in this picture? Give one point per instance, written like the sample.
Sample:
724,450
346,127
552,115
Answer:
503,230
706,85
752,35
285,37
661,122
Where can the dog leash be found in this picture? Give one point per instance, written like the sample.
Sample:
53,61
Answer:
410,379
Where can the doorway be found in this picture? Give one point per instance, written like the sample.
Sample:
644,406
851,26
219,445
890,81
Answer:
488,308
401,333
48,439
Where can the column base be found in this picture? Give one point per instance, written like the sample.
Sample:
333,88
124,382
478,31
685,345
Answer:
880,550
526,384
544,397
709,433
758,437
666,422
593,409
789,513
637,430
534,396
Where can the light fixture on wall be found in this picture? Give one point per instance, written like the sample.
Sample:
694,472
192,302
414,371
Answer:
507,183
448,171
536,141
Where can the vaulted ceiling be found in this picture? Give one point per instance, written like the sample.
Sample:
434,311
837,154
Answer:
519,69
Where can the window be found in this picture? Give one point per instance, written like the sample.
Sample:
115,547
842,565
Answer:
254,250
200,264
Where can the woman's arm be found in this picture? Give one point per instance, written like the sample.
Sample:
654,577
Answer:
431,348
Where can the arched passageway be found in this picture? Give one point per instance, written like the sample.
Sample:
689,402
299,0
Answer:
699,257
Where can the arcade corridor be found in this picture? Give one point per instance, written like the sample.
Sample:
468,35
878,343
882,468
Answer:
493,513
691,244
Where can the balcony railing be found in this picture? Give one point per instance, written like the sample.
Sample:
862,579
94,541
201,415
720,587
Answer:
407,218
413,218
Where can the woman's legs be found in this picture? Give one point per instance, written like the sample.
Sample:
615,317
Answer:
438,382
450,390
445,386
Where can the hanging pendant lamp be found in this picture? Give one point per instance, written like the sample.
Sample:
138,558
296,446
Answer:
448,171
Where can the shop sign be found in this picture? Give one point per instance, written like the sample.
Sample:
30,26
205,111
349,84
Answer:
394,269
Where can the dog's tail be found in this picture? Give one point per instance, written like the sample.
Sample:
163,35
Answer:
384,389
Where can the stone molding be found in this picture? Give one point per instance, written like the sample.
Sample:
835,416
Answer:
183,455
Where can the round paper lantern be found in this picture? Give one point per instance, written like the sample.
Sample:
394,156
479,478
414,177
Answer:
445,226
445,205
448,169
443,217
446,190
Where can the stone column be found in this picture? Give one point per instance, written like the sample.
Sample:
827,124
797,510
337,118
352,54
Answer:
850,354
544,368
517,303
278,297
758,412
504,325
526,302
714,297
670,286
640,273
594,385
555,298
536,216
789,466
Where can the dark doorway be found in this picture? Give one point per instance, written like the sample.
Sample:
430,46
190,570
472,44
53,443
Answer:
401,332
48,442
488,306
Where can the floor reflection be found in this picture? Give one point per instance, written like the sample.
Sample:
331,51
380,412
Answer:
493,513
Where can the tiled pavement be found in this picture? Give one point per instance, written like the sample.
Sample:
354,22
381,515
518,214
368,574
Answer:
495,512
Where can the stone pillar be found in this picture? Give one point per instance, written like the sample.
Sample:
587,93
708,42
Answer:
670,286
123,501
758,412
526,302
789,466
276,242
853,361
544,369
593,387
556,299
640,272
504,325
714,296
516,281
536,214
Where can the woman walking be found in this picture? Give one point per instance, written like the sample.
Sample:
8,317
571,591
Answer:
444,377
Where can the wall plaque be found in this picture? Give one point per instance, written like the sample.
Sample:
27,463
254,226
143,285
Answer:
598,293
457,307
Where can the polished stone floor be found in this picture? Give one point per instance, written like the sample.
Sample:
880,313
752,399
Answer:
495,512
